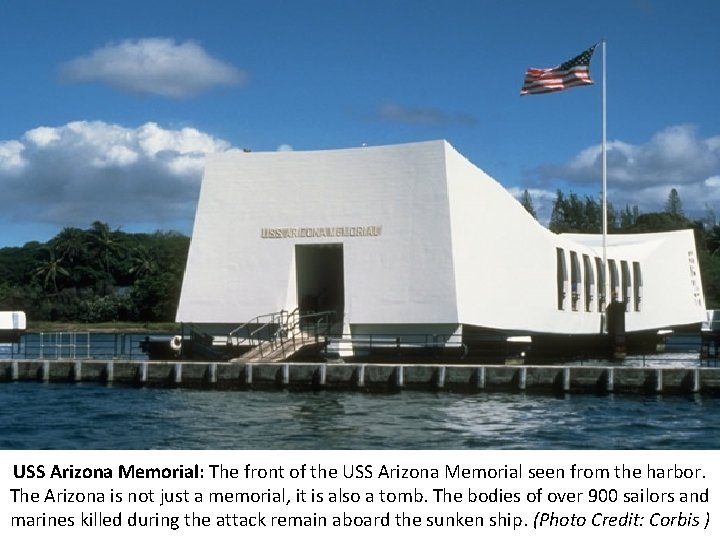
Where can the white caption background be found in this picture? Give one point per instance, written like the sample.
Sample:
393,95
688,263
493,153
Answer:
325,494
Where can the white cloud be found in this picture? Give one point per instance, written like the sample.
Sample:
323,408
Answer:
285,148
85,171
713,181
11,156
42,136
643,174
158,66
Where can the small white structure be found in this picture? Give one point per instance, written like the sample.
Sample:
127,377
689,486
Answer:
12,325
414,239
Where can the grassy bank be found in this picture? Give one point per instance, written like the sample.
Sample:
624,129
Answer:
111,327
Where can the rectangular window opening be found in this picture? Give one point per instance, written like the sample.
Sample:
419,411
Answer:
575,280
602,284
562,278
589,283
637,286
614,281
626,284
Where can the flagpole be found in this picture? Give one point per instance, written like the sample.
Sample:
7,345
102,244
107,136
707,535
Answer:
604,160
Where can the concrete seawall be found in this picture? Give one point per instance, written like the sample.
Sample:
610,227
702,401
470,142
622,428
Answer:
370,377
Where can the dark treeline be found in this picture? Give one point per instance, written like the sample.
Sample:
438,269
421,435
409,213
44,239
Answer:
574,214
95,275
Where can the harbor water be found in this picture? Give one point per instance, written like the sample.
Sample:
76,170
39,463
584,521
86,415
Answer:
92,416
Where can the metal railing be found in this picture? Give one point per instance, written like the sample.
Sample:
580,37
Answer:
437,346
75,346
282,331
258,330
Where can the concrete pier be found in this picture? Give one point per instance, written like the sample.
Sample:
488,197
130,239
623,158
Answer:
371,377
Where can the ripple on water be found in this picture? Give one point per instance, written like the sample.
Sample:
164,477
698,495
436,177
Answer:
37,415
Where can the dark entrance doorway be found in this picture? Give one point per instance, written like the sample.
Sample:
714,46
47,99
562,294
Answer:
320,279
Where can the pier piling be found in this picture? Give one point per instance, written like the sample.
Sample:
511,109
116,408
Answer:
371,377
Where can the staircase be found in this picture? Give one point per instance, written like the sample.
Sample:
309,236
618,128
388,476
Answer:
276,337
272,352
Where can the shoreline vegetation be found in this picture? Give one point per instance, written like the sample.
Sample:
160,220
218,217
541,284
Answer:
108,327
95,276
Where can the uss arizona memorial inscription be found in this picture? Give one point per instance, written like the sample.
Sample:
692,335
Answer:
320,232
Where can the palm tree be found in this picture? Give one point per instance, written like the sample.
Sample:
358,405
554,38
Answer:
72,244
104,244
50,269
143,263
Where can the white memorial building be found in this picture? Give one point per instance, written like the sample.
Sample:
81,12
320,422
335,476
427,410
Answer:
413,239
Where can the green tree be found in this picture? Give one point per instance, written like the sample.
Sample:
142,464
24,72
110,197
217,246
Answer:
527,203
592,216
673,205
142,262
575,214
72,244
658,222
18,264
96,275
558,218
629,216
578,215
105,245
109,308
713,240
50,269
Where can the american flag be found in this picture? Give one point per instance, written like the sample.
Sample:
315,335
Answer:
574,72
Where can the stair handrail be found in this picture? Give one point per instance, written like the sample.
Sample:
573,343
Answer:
250,334
254,320
320,318
287,325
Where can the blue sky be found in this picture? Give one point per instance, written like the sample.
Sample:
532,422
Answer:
108,108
